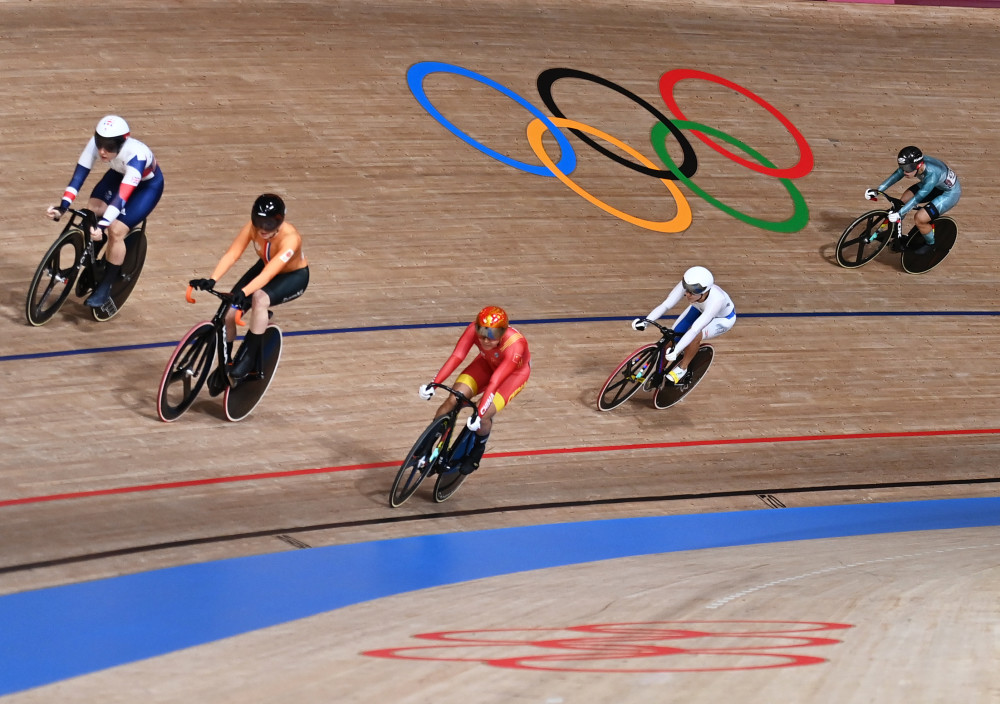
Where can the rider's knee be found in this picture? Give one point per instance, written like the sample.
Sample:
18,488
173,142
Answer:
259,298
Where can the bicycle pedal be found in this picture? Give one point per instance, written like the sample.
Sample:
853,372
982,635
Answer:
109,308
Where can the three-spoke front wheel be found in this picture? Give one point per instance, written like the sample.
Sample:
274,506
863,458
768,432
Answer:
628,377
864,239
54,278
186,372
420,460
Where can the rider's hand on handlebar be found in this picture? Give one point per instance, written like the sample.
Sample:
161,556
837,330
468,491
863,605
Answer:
239,298
639,324
426,392
202,284
894,216
871,194
55,212
474,422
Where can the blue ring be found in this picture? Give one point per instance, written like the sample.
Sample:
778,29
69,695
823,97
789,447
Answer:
415,79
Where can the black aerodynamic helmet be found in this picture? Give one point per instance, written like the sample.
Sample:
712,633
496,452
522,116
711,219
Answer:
268,212
909,159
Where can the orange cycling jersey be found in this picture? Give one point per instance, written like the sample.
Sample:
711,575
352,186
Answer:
510,357
281,253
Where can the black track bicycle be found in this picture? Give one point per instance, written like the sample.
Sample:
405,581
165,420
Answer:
647,369
73,264
190,367
866,237
439,450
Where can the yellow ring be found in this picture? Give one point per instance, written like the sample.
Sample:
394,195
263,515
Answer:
536,128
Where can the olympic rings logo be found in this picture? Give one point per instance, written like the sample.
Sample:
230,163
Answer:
637,647
663,127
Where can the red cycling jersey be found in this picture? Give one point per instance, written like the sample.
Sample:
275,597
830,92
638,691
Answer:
509,362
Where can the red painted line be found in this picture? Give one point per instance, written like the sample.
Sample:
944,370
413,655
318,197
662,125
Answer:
522,453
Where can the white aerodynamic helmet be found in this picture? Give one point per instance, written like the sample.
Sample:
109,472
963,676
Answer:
697,280
111,133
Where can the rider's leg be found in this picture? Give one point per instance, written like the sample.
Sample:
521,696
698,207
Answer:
114,257
471,462
687,356
249,355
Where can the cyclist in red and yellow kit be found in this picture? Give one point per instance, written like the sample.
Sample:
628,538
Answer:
500,371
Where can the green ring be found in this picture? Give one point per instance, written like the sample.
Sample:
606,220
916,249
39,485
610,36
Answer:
800,211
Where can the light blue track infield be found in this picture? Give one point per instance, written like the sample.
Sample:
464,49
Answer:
53,634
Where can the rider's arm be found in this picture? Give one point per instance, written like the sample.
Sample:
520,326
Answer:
714,305
83,166
133,175
232,254
668,303
512,360
933,175
893,178
462,348
283,251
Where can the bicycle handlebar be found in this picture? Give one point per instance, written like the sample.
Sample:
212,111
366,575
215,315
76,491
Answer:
227,297
896,203
667,332
463,401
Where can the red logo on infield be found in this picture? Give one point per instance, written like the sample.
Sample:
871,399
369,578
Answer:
655,646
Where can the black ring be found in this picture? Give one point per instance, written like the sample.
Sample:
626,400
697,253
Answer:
549,76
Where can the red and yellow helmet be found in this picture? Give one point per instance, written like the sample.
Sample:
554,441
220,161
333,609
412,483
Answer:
492,322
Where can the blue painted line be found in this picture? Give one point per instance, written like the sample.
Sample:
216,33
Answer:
539,321
53,634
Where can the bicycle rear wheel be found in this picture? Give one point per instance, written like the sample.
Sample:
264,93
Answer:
628,377
54,277
186,372
864,239
670,394
128,276
241,399
420,461
448,481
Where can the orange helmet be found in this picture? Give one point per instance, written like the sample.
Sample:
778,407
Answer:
492,318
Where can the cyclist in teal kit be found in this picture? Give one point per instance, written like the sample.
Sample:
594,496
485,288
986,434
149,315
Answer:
937,187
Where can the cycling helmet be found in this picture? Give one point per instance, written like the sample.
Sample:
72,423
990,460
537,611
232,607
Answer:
492,322
697,280
111,133
268,212
910,159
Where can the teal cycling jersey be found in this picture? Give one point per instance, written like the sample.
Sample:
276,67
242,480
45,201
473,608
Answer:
934,175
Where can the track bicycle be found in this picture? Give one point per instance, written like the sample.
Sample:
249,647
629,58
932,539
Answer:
647,369
190,367
73,264
866,237
436,451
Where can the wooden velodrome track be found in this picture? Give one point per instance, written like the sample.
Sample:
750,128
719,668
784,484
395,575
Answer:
835,387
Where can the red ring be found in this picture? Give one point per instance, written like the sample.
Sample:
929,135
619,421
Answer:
805,164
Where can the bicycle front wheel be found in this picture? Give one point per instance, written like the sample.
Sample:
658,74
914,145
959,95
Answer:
186,372
420,461
864,239
54,277
628,378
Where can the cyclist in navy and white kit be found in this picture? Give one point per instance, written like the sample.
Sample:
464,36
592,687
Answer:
710,313
122,199
937,186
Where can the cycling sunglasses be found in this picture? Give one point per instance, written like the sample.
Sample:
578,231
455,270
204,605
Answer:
490,333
